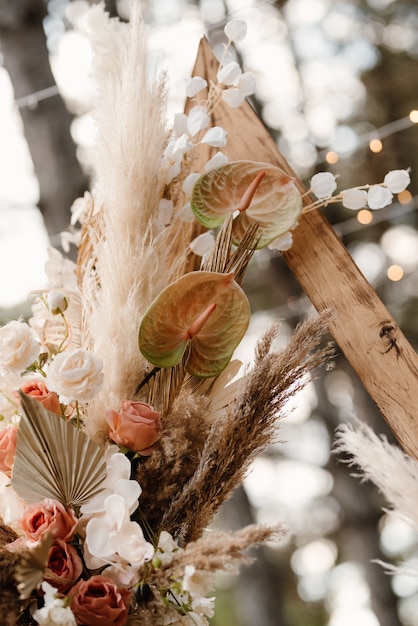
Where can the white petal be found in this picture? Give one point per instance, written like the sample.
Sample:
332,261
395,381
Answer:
197,120
323,184
397,180
217,160
354,199
282,243
165,211
229,73
247,83
236,30
202,244
194,85
378,197
97,534
233,97
215,137
180,124
189,182
186,214
129,490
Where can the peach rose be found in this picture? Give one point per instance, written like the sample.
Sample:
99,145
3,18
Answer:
48,516
64,566
98,600
137,426
8,441
40,392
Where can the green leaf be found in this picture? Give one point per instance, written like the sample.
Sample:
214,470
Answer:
205,311
54,459
259,192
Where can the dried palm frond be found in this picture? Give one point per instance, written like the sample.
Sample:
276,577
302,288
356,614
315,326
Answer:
41,468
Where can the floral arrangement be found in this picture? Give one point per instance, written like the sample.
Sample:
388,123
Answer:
126,421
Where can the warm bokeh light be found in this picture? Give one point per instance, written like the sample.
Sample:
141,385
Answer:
395,272
375,145
332,157
364,216
413,116
405,196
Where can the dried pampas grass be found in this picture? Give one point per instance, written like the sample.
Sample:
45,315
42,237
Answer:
214,456
387,466
130,259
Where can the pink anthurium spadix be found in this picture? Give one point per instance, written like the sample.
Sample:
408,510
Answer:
255,192
207,311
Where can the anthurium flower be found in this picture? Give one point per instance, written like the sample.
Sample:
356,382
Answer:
258,192
205,311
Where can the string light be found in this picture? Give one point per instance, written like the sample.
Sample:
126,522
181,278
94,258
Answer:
364,216
332,157
375,146
405,196
395,273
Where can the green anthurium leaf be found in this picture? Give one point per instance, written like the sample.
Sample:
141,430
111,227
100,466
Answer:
257,192
207,311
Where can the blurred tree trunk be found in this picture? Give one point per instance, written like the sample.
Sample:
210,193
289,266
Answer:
47,123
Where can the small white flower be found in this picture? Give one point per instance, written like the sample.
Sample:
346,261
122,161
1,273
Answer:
233,97
197,120
397,180
229,74
75,375
247,83
177,147
236,30
282,243
57,302
354,199
378,197
323,184
180,124
215,137
197,582
189,182
194,85
54,613
80,208
203,244
18,347
217,160
186,214
165,211
112,537
117,481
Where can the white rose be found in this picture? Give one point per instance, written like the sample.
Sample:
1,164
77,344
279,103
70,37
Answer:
75,375
18,347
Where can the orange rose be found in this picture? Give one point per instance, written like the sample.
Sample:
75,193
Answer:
64,566
8,441
40,392
48,516
98,600
137,426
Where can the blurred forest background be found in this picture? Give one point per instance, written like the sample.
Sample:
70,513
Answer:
338,90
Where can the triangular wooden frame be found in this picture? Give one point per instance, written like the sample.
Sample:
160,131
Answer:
361,325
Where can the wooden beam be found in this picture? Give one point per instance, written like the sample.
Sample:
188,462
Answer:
361,325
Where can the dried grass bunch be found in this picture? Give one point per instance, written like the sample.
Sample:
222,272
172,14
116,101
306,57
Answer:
126,522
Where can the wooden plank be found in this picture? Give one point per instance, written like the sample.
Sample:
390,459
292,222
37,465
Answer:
363,328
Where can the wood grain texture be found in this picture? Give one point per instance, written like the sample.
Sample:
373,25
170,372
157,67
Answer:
362,327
